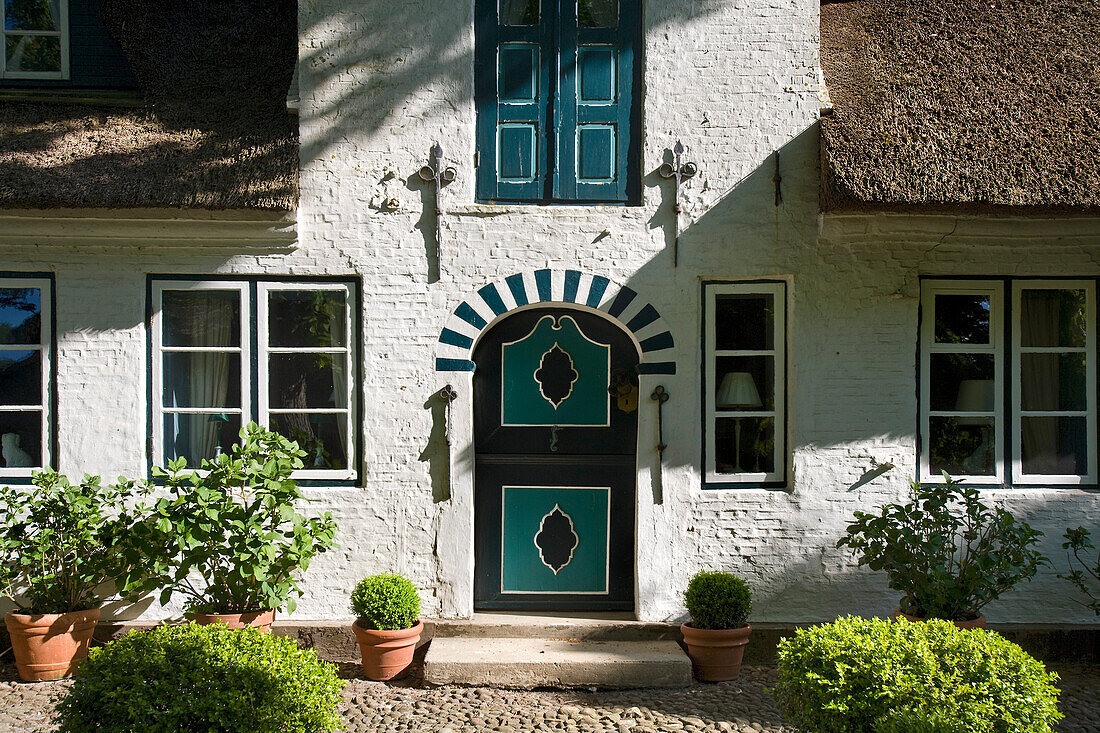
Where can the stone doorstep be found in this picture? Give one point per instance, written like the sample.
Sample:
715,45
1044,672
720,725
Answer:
527,662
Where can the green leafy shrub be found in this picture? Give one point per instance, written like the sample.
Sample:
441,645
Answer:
386,602
195,679
718,600
948,553
862,676
230,539
60,541
1083,573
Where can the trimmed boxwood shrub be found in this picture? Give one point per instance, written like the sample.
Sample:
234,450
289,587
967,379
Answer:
874,676
718,600
386,602
197,679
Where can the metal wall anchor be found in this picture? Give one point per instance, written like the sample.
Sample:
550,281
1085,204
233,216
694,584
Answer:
678,172
448,395
661,397
435,173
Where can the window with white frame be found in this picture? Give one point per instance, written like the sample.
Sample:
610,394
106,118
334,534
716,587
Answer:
35,39
1008,381
300,382
744,367
25,373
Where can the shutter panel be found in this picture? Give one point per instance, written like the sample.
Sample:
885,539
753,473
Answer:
512,85
595,137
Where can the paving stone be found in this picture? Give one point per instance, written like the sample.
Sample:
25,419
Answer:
742,705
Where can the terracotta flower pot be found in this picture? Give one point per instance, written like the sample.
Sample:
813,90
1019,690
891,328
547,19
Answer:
387,654
974,623
50,646
260,619
716,653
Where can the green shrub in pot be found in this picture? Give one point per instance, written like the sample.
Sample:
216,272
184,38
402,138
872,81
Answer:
719,604
387,627
228,537
946,551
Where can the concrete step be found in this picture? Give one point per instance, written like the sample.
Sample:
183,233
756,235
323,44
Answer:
589,626
526,662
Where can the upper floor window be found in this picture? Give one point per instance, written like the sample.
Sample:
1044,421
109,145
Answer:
1008,381
744,366
26,356
280,353
35,39
556,86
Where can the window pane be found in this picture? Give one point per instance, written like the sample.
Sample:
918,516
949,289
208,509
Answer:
202,318
519,12
33,53
298,381
20,316
1054,445
202,379
1052,381
20,439
322,437
962,446
753,453
597,13
307,318
1053,318
32,15
744,321
20,377
745,383
196,437
962,382
962,319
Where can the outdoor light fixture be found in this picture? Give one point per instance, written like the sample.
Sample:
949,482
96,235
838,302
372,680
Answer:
737,390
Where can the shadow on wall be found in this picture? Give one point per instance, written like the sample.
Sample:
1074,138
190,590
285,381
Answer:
415,64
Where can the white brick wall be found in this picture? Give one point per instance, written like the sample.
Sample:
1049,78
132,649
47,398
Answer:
735,81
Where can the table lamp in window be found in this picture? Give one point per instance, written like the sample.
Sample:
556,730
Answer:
737,391
976,396
217,422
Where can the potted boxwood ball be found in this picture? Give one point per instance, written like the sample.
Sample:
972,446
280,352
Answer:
387,626
719,604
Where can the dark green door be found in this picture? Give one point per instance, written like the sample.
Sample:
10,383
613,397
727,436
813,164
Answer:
555,463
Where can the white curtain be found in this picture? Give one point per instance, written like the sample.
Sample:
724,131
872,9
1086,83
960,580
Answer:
340,366
1040,382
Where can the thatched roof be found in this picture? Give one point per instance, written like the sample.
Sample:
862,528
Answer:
961,104
213,132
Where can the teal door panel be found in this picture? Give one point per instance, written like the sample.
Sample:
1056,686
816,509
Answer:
555,539
555,375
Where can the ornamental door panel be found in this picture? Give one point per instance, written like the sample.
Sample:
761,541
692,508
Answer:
555,421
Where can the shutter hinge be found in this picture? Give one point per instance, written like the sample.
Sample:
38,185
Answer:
477,158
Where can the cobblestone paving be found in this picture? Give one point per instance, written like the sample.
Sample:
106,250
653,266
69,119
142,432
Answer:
743,706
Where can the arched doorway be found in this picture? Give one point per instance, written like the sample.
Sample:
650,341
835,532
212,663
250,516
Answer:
555,437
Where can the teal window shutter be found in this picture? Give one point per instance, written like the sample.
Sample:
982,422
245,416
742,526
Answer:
596,138
557,108
513,57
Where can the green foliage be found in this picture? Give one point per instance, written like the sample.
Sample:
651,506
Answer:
386,602
1083,573
200,679
718,600
228,538
862,676
59,541
946,551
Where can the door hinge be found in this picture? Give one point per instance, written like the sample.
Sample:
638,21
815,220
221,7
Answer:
477,158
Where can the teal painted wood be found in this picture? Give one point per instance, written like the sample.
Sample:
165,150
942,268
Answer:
528,568
558,116
525,399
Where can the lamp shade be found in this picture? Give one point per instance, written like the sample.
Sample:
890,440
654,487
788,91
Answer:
975,395
737,390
